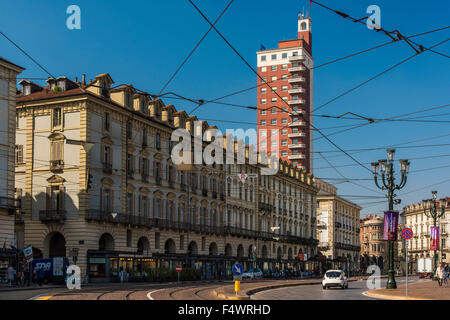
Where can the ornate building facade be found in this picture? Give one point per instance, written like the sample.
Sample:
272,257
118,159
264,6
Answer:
98,179
338,228
8,75
413,216
373,246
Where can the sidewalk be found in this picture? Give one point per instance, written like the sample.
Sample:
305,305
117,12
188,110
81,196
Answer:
429,290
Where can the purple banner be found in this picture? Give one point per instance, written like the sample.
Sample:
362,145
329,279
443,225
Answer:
434,238
390,225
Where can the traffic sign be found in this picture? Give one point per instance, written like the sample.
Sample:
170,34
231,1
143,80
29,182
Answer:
237,269
178,268
407,233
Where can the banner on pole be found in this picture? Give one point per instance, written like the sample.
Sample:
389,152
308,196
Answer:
434,238
390,225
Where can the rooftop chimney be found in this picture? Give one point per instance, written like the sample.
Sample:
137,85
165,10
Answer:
83,79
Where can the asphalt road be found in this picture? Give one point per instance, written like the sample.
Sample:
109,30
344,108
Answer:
315,292
28,294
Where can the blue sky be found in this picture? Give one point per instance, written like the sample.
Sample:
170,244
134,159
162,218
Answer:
143,42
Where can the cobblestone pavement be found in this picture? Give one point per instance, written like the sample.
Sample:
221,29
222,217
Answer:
423,290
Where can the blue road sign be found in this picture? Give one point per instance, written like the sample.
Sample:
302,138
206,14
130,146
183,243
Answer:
238,269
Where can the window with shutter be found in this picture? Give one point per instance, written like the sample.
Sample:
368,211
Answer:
19,154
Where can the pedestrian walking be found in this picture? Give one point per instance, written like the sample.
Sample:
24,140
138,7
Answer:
440,274
26,274
41,276
35,277
11,273
446,273
19,278
122,275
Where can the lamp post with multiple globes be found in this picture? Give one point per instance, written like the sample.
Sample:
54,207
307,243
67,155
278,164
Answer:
386,169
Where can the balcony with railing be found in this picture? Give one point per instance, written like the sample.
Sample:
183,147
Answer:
107,168
130,173
297,135
321,225
10,204
297,124
296,145
296,80
56,165
54,215
298,90
323,245
295,69
296,157
296,101
297,58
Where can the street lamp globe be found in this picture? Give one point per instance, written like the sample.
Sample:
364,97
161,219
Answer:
382,164
375,168
434,193
390,153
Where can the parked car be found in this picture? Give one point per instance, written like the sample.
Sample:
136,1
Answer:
252,274
334,278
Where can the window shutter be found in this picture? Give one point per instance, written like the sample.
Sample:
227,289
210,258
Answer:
48,197
140,164
62,195
101,201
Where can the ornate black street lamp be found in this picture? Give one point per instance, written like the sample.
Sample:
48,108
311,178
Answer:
433,212
386,169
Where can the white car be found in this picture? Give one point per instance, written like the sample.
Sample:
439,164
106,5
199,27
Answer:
252,274
335,278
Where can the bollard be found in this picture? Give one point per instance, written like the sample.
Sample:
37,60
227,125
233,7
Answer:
237,286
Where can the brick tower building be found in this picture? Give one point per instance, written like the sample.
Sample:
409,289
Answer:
287,70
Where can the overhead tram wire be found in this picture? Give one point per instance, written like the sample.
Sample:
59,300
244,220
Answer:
354,183
377,76
195,48
353,165
329,62
394,34
25,53
254,71
390,118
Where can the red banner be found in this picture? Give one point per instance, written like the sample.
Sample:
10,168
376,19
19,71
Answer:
390,225
434,238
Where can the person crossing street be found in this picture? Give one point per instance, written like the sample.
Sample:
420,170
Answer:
440,274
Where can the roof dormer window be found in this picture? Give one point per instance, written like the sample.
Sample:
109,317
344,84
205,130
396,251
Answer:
104,90
127,99
26,90
142,105
62,85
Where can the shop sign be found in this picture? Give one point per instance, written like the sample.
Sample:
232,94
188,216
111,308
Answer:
28,253
97,260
